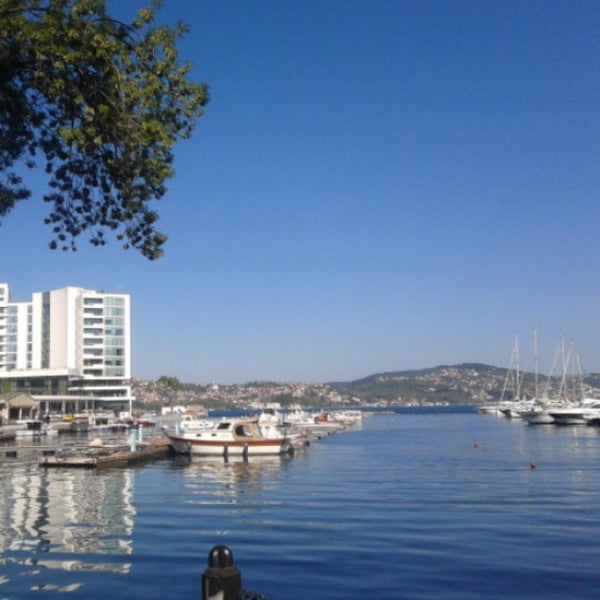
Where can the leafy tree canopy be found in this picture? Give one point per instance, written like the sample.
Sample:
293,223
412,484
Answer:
169,382
102,104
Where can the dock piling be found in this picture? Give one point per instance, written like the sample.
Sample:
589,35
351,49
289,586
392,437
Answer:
221,580
132,441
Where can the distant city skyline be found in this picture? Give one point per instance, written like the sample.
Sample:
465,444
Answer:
375,186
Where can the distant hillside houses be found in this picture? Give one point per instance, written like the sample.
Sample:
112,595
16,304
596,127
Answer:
254,395
470,383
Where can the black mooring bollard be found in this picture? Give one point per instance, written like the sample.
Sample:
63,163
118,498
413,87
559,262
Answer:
221,580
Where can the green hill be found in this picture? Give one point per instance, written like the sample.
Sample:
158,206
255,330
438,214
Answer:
467,383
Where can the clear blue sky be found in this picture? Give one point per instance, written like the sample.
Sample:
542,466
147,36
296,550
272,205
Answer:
374,186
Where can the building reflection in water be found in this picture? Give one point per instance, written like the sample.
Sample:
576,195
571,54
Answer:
81,515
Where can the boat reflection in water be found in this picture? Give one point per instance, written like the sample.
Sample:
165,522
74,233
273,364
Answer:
235,481
46,515
230,493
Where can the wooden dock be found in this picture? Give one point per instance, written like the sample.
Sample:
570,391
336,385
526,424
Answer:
91,457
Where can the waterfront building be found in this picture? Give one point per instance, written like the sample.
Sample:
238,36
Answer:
69,348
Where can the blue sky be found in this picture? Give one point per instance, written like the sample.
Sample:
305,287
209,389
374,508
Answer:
374,186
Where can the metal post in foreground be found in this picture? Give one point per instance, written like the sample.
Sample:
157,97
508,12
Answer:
221,580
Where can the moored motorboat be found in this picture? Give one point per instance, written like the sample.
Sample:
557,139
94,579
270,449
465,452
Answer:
272,425
191,422
229,437
538,416
327,422
348,417
488,409
313,425
517,409
578,414
34,428
79,424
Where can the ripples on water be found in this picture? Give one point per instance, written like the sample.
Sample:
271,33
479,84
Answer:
441,505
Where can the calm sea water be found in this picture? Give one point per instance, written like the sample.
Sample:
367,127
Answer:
422,504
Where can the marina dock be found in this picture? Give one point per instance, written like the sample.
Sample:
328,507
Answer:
91,457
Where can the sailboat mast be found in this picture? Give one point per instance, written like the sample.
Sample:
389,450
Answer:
518,386
535,362
562,392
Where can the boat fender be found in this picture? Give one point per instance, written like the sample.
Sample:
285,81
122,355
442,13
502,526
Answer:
288,449
245,452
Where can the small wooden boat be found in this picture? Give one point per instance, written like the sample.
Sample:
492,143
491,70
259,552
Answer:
229,437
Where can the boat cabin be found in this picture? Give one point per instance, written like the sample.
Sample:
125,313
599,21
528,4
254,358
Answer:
246,429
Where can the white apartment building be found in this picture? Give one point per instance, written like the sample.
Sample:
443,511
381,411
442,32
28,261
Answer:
69,348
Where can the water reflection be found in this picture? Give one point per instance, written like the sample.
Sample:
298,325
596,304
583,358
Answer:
63,520
231,480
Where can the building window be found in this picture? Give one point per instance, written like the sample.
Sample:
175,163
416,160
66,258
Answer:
45,330
113,301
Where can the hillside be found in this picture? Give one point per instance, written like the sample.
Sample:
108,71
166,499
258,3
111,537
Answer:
469,383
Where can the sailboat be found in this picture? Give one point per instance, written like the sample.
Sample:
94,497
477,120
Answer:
503,406
579,409
516,407
539,414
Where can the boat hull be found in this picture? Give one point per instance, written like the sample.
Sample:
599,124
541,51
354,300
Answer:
540,418
574,416
488,410
560,419
570,421
199,447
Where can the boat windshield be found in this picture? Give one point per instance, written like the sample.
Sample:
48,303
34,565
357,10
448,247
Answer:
243,430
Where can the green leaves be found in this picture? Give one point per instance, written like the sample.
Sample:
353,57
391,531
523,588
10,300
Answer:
169,382
102,103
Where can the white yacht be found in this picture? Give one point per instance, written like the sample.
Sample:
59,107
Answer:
577,414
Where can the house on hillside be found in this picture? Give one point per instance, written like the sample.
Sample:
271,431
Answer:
14,407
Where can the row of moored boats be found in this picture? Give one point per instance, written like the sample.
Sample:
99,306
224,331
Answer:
269,433
570,404
45,427
544,412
